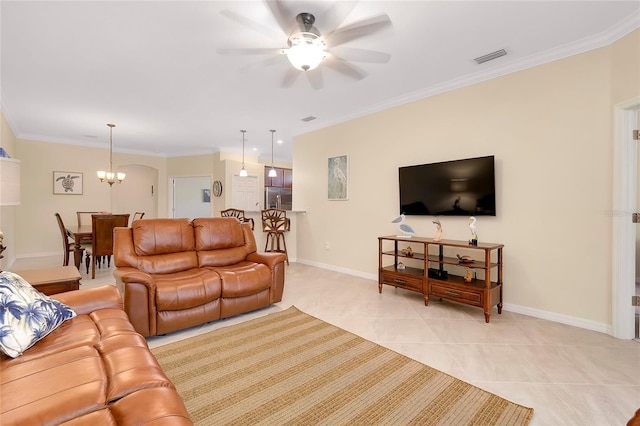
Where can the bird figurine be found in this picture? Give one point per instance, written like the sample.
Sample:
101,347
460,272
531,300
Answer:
406,230
469,276
474,233
438,236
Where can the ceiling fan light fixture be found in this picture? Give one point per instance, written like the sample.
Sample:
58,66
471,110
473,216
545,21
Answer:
306,50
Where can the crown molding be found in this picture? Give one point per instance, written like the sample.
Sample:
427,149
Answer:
603,39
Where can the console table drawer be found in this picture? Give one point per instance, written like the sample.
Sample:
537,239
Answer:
470,297
400,280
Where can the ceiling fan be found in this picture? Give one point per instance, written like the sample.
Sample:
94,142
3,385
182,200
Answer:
307,48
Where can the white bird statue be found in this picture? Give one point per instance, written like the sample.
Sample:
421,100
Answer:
472,227
438,236
406,230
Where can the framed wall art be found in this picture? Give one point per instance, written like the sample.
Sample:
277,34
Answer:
338,178
67,183
206,195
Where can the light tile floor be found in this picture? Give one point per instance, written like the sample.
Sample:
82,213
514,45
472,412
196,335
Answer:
569,375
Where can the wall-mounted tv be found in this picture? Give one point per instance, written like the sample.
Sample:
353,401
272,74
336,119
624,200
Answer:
451,188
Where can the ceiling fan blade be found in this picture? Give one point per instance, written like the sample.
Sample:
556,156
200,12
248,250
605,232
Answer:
315,78
362,55
358,29
290,77
251,24
284,19
336,14
251,51
343,67
264,63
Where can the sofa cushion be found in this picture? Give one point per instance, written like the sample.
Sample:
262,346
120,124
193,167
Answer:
55,388
149,407
219,241
160,246
162,236
244,278
26,315
186,289
130,365
214,233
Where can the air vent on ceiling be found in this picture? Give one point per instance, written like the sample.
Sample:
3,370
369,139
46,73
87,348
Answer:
490,56
309,118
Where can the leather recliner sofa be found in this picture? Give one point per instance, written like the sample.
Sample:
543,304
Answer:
175,273
93,369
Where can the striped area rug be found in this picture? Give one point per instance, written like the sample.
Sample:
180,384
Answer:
289,368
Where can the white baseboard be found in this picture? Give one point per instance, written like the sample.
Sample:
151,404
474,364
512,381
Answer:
560,318
347,271
518,309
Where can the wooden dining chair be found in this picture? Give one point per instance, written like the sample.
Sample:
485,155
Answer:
102,242
84,218
137,216
275,223
238,214
67,246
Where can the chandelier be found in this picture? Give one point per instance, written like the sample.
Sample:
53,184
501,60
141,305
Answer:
243,172
109,176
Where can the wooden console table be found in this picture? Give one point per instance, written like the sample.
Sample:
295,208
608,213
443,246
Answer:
437,281
52,280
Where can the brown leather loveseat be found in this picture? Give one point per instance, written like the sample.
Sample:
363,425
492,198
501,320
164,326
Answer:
93,369
176,273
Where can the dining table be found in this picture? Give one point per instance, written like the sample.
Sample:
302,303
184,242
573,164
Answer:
81,235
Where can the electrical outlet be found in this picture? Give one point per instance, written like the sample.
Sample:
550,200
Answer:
326,245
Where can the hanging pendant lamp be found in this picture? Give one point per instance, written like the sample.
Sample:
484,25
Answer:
272,172
243,172
109,176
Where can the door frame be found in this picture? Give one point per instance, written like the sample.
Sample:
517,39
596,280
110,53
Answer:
625,182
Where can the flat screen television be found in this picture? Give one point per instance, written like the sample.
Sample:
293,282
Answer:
450,188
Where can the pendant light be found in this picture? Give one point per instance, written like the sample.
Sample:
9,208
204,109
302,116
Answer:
272,172
243,172
109,176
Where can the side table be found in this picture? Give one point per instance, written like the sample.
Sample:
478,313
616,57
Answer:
52,280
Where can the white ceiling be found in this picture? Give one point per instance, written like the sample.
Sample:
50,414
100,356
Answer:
152,68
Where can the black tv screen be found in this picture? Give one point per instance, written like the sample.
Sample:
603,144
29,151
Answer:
451,188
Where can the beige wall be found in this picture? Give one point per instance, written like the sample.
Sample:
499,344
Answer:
35,224
7,213
550,129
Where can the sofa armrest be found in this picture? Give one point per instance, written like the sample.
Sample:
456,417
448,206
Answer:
138,290
269,259
88,300
128,275
275,262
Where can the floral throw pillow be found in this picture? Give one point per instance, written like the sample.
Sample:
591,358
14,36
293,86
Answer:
26,315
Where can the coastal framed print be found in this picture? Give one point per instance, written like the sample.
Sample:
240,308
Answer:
67,183
338,178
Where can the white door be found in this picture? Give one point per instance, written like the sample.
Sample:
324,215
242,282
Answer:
245,193
191,196
637,228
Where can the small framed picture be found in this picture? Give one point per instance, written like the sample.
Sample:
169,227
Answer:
67,183
338,178
206,195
